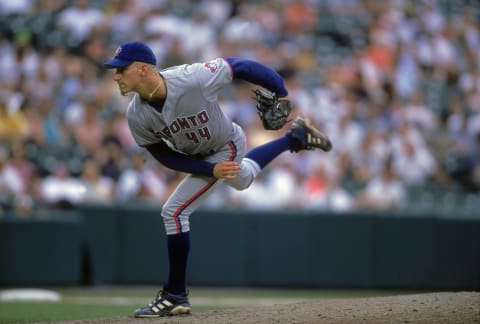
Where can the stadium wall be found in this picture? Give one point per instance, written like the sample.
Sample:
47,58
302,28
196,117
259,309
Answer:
98,245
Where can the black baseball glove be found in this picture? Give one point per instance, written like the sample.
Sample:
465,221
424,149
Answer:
273,112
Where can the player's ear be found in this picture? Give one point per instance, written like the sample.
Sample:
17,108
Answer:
141,67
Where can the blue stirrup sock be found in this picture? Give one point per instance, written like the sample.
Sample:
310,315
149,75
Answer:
178,249
265,153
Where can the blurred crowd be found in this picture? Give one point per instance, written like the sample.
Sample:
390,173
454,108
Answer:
395,84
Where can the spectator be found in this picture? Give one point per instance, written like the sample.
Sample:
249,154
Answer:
60,189
140,182
372,154
80,20
44,126
122,17
321,190
283,179
20,162
15,7
241,108
111,158
384,191
468,167
414,164
413,161
11,184
98,189
397,78
88,130
13,123
420,115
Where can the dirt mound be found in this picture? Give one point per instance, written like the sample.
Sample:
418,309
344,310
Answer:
445,307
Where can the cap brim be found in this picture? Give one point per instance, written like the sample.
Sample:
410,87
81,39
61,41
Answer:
116,63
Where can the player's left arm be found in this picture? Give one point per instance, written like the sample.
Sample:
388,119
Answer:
273,105
259,74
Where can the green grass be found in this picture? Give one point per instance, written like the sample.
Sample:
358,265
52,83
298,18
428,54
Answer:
24,312
29,312
104,302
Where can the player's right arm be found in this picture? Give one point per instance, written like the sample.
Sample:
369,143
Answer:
138,124
184,163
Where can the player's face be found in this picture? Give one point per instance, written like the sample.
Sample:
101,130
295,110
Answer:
127,78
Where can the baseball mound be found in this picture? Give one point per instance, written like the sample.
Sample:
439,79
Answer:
444,307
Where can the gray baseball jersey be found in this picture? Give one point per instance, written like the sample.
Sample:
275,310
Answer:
191,120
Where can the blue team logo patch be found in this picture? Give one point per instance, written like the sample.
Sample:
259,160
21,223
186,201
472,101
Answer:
212,66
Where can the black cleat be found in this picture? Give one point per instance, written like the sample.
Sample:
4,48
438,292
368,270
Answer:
307,136
165,304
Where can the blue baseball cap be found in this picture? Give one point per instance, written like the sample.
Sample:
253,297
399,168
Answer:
128,53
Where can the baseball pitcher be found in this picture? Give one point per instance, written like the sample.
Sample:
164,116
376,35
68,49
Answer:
175,115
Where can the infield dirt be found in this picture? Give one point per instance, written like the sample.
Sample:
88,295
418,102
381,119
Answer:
444,307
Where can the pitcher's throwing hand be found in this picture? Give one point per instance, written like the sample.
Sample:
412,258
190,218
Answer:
226,170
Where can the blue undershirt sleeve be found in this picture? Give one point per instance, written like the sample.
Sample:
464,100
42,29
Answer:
179,162
258,74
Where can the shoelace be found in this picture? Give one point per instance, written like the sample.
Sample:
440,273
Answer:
157,298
